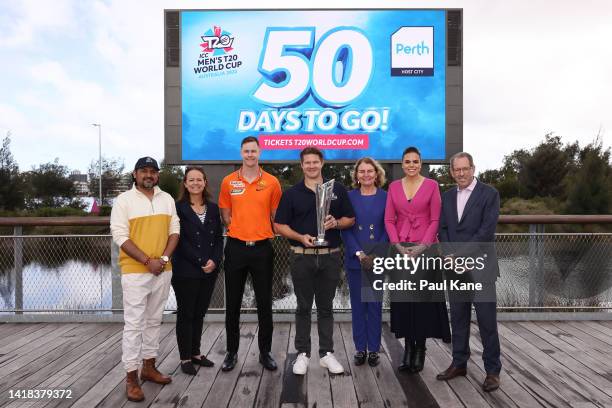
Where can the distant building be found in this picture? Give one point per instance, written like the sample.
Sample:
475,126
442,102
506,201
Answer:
80,183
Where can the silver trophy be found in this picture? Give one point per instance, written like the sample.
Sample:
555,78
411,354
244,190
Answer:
324,193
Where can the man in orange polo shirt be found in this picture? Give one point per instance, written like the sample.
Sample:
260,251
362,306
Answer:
248,201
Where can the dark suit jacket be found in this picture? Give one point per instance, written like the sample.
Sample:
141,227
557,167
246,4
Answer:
198,241
474,234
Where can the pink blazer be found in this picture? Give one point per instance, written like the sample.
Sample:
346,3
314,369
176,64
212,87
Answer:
416,220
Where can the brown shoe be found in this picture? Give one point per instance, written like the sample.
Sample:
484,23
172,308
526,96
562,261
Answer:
150,373
132,387
491,383
450,373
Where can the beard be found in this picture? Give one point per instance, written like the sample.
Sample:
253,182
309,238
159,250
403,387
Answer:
148,184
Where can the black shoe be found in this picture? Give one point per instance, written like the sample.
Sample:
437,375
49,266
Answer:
373,359
419,359
408,358
203,361
267,361
359,358
188,368
229,362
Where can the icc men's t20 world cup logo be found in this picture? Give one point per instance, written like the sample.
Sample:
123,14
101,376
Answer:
218,54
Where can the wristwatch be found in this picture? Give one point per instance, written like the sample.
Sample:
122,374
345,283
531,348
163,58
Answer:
164,259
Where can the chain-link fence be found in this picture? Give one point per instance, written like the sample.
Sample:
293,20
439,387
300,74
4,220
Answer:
78,274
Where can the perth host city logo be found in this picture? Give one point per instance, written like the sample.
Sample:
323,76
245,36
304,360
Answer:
412,51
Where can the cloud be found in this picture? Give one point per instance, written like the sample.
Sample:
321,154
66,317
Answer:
529,67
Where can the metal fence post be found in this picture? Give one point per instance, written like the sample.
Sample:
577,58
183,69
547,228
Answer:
116,291
18,266
536,265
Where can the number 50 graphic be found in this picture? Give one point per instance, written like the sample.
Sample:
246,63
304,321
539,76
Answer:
337,69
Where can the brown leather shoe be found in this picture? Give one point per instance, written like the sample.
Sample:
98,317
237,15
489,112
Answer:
491,383
150,373
450,373
132,387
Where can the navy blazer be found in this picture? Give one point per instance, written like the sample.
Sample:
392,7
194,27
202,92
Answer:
198,242
369,228
477,225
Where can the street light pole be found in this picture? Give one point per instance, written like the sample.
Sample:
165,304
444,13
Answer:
99,126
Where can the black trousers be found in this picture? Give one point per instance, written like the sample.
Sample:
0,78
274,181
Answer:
192,301
258,261
315,277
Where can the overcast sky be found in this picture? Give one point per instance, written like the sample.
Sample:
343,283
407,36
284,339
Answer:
530,67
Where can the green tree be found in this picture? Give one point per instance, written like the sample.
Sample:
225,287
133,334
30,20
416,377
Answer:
112,176
442,175
590,186
170,178
49,185
546,167
11,181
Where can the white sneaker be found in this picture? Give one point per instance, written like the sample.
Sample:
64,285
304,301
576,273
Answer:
330,362
300,365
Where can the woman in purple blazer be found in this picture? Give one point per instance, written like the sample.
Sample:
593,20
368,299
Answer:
412,216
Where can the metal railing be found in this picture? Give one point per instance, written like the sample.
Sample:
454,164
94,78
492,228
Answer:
79,273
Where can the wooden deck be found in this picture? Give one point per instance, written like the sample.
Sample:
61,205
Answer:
549,364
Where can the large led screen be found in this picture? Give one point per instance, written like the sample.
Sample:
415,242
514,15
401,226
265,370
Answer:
353,83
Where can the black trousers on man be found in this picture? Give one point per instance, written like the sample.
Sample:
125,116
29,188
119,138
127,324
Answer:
258,261
315,277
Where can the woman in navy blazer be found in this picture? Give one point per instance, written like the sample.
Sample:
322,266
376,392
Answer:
368,200
195,264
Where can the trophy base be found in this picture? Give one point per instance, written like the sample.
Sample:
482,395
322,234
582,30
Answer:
320,242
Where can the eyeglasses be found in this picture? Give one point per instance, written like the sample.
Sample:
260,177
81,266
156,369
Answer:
463,170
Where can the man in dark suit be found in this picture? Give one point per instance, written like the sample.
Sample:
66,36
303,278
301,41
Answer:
467,228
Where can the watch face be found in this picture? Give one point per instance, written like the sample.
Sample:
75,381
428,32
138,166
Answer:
165,258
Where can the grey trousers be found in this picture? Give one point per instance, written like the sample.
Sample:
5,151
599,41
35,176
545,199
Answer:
315,277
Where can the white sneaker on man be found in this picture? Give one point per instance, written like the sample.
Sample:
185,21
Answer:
329,361
300,365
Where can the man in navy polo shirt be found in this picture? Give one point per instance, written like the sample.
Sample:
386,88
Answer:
315,271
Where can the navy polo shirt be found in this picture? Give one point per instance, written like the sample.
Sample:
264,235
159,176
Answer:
297,209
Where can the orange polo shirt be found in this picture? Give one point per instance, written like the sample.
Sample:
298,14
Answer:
251,204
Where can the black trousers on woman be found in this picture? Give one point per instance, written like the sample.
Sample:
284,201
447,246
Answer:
192,301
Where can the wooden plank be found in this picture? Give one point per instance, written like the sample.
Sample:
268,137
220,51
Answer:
499,398
398,388
510,385
319,393
9,329
573,347
18,340
364,379
583,373
590,345
226,381
201,385
86,371
247,385
294,390
173,392
580,340
33,350
116,397
271,383
342,387
461,386
603,337
37,371
561,380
